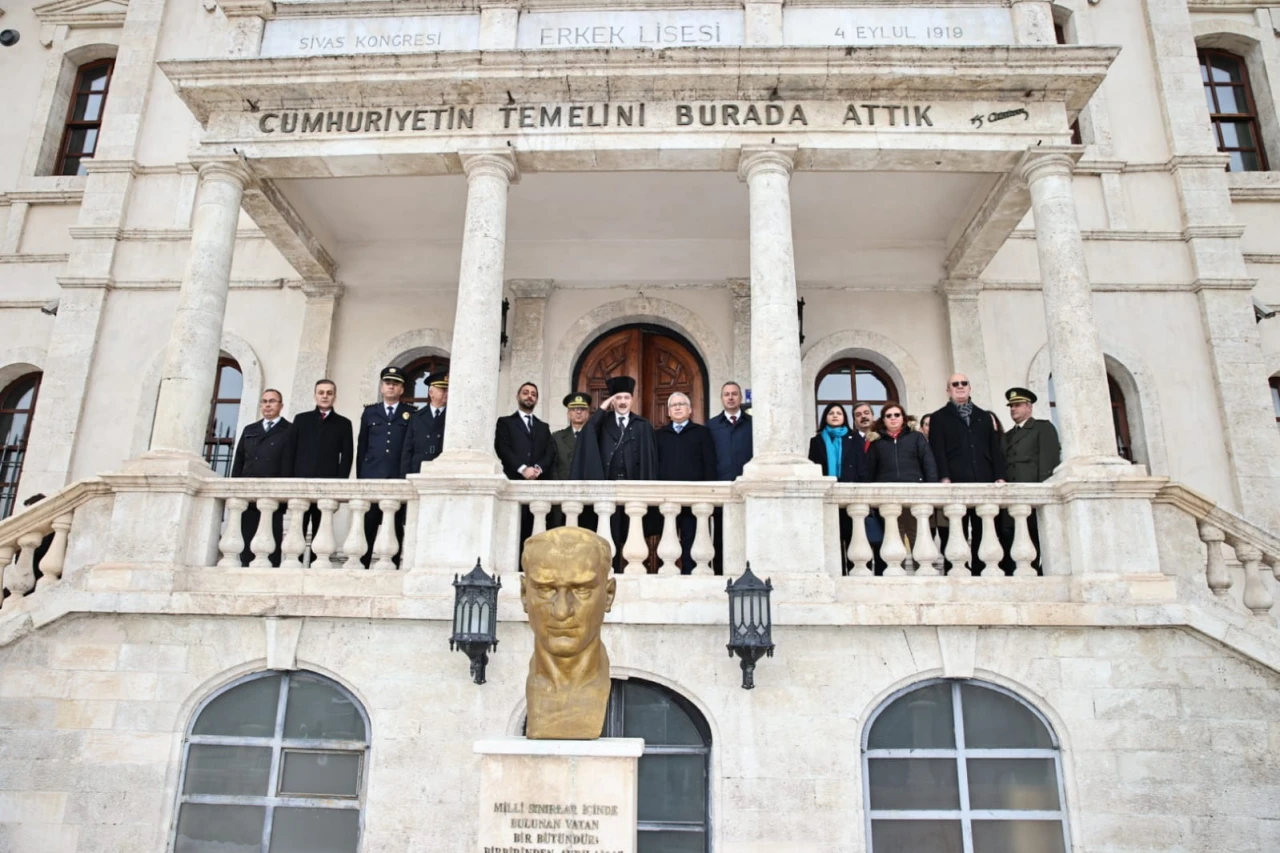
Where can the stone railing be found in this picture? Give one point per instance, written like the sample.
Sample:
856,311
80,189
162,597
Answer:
1253,568
933,506
36,540
339,539
567,502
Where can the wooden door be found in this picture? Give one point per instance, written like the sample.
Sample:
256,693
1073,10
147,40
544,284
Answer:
660,364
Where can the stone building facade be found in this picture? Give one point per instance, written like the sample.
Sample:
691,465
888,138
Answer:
200,201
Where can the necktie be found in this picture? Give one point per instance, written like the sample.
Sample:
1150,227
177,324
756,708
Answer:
324,415
679,427
528,423
266,426
390,411
733,419
622,423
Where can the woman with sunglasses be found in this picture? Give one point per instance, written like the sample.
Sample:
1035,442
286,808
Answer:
901,455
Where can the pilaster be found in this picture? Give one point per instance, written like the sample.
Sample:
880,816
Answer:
528,315
315,339
740,293
762,21
1033,22
968,344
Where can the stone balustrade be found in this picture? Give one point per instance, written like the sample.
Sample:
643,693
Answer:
934,506
567,502
35,542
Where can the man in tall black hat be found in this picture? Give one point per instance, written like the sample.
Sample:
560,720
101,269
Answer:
383,427
616,444
425,440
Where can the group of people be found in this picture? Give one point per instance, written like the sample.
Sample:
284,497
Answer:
959,442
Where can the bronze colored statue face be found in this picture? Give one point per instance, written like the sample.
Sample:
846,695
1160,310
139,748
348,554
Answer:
566,598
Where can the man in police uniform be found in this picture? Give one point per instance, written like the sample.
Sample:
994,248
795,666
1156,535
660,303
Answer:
383,427
425,439
578,408
1031,452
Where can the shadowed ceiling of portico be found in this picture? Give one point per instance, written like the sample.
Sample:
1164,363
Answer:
850,227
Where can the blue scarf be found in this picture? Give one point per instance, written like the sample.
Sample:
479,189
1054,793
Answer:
832,437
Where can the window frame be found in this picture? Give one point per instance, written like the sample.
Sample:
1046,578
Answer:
211,440
1216,119
1274,383
9,504
278,745
854,364
71,124
436,362
961,753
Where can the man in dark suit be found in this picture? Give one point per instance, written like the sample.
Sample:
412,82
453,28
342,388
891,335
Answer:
383,427
265,449
967,449
731,432
322,445
686,451
523,445
1031,452
425,440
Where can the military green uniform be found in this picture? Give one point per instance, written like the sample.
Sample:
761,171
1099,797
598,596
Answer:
1031,451
563,441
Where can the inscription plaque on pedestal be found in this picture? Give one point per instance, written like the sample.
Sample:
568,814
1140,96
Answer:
558,796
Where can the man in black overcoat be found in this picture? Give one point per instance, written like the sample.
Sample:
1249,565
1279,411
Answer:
616,444
322,445
967,449
265,449
383,427
686,451
523,444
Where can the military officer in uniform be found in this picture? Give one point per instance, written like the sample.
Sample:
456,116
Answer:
578,408
1031,452
383,427
425,440
265,449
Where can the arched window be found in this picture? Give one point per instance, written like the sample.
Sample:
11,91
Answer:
275,763
84,116
1231,109
416,373
1119,416
852,380
1275,396
224,416
959,766
17,405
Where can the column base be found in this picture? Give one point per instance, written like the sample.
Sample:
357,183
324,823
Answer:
457,521
781,466
156,517
1097,468
784,523
170,462
463,463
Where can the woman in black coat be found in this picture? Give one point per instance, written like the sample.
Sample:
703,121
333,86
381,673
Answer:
840,452
900,455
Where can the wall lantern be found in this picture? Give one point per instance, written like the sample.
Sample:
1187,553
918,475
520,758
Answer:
475,618
506,306
750,623
800,314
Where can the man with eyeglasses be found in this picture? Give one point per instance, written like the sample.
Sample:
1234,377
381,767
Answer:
686,451
266,449
967,449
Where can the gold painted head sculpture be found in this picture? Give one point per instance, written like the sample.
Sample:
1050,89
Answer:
566,589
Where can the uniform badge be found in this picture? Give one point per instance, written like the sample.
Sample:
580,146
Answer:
404,415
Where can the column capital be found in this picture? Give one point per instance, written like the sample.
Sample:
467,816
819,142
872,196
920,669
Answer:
739,288
1036,165
531,288
230,171
264,9
492,163
762,159
960,288
321,290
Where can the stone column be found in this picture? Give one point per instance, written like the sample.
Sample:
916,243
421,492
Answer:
314,341
777,396
1033,22
186,385
476,351
246,22
968,345
740,291
528,313
1075,351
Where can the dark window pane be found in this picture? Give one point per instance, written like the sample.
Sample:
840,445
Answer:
1275,397
88,108
913,783
324,774
248,710
315,831
1225,69
835,386
1016,836
657,718
916,836
1244,161
82,141
1208,99
672,842
1204,71
1024,784
12,428
922,719
225,417
317,710
230,383
21,394
219,829
993,720
1237,134
71,166
96,80
1231,99
244,770
673,788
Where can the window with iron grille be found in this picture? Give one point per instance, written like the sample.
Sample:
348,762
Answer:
17,407
84,116
1231,109
224,416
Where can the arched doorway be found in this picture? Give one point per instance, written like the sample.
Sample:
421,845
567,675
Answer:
661,361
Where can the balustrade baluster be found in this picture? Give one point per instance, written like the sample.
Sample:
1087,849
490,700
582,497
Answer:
926,550
958,552
1023,550
1256,595
990,551
6,562
294,542
604,513
356,543
1215,570
539,510
635,550
323,541
231,545
669,549
385,545
571,510
1273,561
892,551
264,538
56,556
704,548
20,578
860,552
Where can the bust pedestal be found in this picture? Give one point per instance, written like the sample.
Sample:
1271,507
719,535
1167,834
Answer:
539,796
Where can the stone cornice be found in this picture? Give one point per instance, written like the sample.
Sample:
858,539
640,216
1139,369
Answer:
51,196
76,13
34,258
531,288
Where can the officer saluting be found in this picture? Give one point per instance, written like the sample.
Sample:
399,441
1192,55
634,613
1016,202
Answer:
383,427
425,440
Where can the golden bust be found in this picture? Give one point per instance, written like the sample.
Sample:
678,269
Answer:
566,589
